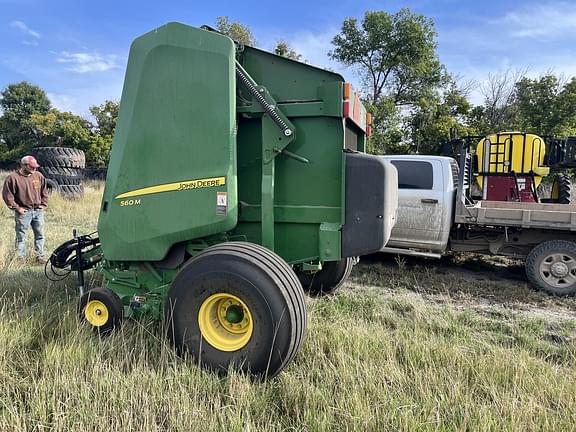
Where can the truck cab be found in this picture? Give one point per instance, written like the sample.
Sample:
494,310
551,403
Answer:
426,195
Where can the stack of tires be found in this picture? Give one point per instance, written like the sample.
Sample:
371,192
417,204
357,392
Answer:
62,168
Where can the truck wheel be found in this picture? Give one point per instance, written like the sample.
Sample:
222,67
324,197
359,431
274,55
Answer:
327,280
561,190
237,304
551,266
101,309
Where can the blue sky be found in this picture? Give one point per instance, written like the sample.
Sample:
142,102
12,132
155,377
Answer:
77,50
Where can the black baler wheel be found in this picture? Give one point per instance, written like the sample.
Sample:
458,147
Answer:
101,309
237,305
329,279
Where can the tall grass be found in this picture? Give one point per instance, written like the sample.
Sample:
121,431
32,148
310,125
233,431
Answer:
410,348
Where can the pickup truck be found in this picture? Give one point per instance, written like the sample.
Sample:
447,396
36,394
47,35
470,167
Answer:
437,214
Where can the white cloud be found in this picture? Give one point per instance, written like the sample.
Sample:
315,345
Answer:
32,35
87,62
543,21
62,102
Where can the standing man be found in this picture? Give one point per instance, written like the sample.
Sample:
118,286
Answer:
25,192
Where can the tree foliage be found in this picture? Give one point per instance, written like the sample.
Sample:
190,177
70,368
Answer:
395,56
237,31
546,105
19,102
283,49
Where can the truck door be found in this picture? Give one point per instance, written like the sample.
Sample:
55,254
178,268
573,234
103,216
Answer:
420,204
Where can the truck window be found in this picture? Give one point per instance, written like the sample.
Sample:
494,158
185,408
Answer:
414,174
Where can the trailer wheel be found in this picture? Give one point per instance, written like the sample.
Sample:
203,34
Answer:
101,309
329,279
237,304
551,266
561,192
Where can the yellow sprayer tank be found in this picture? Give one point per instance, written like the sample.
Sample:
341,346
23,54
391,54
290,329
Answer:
509,152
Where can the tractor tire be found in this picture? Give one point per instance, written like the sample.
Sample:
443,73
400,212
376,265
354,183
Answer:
237,305
60,157
50,172
71,191
329,279
551,267
561,192
51,186
101,309
64,179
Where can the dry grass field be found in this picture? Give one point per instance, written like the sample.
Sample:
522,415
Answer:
458,344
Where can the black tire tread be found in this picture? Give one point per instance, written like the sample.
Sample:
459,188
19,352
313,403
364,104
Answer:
49,171
319,289
289,285
60,157
112,301
532,268
295,295
71,191
64,180
565,189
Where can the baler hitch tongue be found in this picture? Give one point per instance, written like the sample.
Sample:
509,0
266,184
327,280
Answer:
79,254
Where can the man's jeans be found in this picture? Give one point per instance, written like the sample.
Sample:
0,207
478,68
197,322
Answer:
34,218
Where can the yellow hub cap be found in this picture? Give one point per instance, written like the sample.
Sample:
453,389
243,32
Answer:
225,322
96,313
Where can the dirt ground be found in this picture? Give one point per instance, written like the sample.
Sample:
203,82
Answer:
489,285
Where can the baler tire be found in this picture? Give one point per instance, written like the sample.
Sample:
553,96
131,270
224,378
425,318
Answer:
329,279
561,192
551,267
102,309
60,157
252,279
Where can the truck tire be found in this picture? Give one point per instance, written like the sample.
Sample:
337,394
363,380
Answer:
551,267
57,157
102,309
237,305
561,192
329,279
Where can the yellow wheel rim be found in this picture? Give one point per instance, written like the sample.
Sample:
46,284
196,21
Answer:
225,322
96,313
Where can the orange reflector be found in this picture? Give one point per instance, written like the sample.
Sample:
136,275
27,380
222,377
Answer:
347,90
369,119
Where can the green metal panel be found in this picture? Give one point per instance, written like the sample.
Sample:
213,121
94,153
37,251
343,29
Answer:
176,135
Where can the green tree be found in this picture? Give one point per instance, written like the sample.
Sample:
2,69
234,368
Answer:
432,119
105,116
545,106
62,129
283,49
236,31
395,55
19,102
